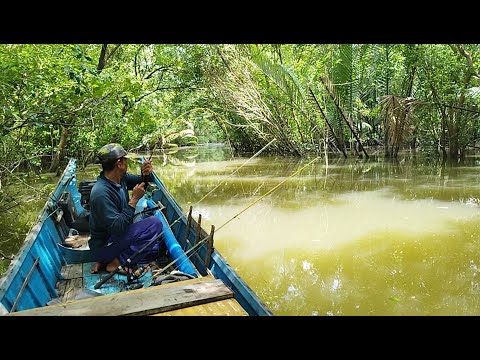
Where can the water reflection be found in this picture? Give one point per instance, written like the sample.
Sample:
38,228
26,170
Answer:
344,237
347,237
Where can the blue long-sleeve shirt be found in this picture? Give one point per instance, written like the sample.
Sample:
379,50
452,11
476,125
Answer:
109,209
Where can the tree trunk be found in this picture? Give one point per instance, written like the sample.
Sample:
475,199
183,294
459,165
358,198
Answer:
443,145
455,128
102,58
60,154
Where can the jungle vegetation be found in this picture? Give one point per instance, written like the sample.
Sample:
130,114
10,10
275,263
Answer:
67,100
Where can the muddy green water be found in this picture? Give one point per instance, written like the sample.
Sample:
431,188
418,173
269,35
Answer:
347,237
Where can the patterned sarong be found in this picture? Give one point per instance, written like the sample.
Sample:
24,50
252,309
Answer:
137,236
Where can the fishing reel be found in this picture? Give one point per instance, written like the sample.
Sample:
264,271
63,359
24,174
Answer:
137,272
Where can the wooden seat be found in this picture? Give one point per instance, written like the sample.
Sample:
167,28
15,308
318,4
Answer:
149,301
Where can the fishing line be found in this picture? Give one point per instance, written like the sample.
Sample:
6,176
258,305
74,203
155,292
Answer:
183,216
245,163
144,177
269,192
203,198
197,245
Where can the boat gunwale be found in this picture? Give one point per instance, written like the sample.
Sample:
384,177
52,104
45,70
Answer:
34,231
225,271
217,258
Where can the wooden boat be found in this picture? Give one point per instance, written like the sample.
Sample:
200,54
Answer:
51,273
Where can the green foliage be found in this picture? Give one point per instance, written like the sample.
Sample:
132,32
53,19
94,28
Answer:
245,94
65,100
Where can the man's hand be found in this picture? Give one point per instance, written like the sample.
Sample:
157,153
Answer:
138,191
147,167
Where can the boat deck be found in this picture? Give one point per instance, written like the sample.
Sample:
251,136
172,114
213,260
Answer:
204,296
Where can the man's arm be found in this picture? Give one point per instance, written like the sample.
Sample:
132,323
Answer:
147,172
132,180
116,220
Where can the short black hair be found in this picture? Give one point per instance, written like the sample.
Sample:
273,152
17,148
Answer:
108,165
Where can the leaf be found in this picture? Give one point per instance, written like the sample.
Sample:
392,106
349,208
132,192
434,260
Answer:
394,299
366,125
474,91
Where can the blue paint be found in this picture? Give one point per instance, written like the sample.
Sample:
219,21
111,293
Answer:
45,239
176,252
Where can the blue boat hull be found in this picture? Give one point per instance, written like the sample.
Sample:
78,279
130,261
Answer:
30,281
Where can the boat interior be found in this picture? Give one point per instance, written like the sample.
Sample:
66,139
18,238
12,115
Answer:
161,287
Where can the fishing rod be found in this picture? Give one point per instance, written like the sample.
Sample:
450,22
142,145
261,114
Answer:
189,252
129,260
197,245
145,177
147,210
245,163
270,191
221,182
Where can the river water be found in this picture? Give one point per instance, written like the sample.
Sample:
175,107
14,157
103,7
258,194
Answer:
341,237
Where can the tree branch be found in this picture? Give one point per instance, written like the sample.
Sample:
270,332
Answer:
112,52
162,88
102,58
156,70
3,256
458,48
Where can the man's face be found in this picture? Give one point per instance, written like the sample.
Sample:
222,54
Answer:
122,164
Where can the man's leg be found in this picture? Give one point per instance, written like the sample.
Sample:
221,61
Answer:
130,244
144,241
112,265
99,266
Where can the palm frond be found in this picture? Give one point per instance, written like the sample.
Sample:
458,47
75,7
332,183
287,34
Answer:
283,77
474,91
397,112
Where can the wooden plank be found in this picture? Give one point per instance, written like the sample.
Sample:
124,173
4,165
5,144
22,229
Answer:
208,255
65,271
69,290
76,271
228,307
189,223
24,284
61,287
147,301
72,271
78,285
199,229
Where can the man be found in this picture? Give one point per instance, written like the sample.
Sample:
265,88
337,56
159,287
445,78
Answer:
113,235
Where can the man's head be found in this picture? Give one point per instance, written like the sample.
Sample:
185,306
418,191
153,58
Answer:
111,154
